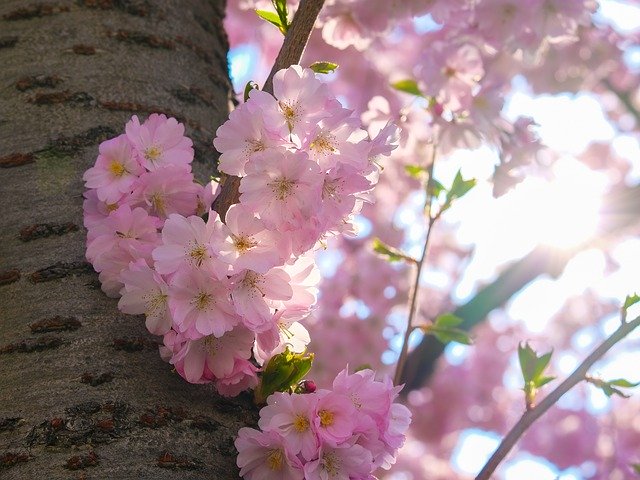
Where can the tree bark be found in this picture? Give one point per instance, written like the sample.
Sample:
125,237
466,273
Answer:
83,392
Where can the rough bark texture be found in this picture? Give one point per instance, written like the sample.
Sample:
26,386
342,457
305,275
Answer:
83,392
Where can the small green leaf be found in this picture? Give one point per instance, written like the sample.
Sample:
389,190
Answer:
631,300
283,14
392,254
414,171
436,188
408,86
459,188
609,387
251,85
447,320
283,372
446,335
636,467
444,329
622,382
527,358
270,17
541,364
323,67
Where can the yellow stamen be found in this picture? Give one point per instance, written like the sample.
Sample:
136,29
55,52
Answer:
282,188
301,423
275,460
326,418
152,153
202,301
198,254
243,244
118,169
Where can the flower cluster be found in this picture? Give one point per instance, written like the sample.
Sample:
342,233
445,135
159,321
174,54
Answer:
139,179
228,296
344,433
303,158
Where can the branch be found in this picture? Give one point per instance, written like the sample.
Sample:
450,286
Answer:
428,206
290,53
572,380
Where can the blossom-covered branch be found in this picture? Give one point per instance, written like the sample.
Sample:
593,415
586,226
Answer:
290,54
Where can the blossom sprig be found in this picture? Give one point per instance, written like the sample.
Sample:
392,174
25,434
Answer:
344,433
228,296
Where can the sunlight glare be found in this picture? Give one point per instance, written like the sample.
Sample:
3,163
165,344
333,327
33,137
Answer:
562,212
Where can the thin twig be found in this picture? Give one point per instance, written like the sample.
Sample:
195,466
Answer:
413,306
572,380
290,53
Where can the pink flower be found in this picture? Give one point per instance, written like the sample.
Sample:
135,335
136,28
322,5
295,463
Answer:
243,377
242,136
145,291
208,358
251,292
249,245
292,417
334,417
167,190
341,462
264,456
132,231
159,142
283,188
190,242
115,170
284,331
302,99
200,304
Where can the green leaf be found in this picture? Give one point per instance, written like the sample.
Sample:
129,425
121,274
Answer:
636,467
630,301
447,320
609,386
414,171
436,188
364,366
283,14
323,67
408,86
270,17
283,372
444,329
251,85
622,382
446,335
392,254
459,189
527,358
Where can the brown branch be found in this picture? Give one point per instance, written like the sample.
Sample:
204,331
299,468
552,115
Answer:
290,53
413,306
572,380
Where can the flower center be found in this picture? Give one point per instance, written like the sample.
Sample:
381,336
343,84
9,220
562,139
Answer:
274,460
282,188
254,146
156,303
117,169
202,300
243,244
323,144
331,463
290,113
211,344
152,153
198,254
301,423
326,418
157,202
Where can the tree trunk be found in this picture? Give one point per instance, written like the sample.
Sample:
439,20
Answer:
83,392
